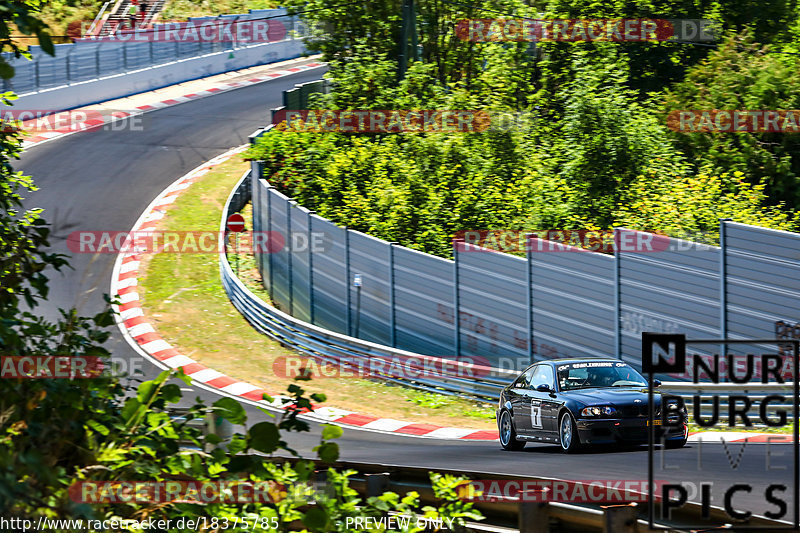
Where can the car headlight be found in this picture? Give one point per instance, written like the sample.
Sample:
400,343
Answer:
603,410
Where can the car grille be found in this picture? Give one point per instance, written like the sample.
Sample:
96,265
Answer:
635,410
637,434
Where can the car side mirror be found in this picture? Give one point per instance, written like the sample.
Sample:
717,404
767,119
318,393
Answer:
656,383
544,387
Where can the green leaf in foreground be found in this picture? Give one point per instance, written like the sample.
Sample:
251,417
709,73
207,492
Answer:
264,437
331,432
230,410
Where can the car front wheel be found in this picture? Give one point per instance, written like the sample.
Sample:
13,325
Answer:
508,437
678,443
568,434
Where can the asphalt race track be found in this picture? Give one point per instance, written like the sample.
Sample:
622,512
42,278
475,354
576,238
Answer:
103,180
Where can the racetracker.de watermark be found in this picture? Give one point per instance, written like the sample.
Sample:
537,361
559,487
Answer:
411,367
734,120
67,367
35,121
400,121
177,491
202,31
187,242
556,490
570,240
584,30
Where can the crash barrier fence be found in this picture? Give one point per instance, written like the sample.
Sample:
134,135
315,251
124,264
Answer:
554,302
475,380
503,512
535,516
87,60
298,97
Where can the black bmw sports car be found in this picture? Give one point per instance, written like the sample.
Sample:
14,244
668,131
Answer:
574,402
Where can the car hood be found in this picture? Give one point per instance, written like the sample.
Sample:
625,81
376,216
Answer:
609,396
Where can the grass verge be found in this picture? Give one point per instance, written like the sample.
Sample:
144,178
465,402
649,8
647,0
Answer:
781,430
183,9
183,297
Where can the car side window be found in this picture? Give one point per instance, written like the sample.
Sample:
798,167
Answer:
542,376
525,378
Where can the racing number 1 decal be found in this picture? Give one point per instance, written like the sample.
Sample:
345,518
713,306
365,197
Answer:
536,414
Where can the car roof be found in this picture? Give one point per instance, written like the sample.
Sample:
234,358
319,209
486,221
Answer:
571,360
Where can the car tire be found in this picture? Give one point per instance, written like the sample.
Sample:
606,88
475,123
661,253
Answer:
568,434
508,437
677,443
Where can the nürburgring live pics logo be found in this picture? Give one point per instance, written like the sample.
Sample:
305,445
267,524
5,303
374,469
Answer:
667,354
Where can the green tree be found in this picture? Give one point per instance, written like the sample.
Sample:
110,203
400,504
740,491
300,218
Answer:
745,76
606,138
690,206
55,433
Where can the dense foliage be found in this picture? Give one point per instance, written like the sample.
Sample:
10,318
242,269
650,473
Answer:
58,433
595,150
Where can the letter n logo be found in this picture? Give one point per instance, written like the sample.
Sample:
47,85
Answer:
669,351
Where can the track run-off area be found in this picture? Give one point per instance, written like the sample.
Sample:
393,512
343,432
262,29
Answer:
103,180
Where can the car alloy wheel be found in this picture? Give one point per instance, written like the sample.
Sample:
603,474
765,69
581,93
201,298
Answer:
568,434
508,437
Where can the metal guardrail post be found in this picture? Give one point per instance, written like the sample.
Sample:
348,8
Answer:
310,243
723,284
219,426
67,65
533,516
620,518
529,294
617,298
347,278
392,315
376,484
456,303
269,232
289,254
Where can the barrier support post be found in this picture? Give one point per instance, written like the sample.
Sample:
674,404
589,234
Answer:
347,279
533,517
617,298
529,294
456,303
723,284
376,483
269,232
392,327
310,244
289,252
620,518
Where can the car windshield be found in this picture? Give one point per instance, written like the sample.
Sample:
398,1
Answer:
598,374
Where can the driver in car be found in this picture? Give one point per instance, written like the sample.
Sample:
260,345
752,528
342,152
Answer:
601,377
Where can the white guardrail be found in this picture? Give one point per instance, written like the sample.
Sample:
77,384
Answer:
417,370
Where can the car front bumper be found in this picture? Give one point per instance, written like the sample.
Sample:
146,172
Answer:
626,430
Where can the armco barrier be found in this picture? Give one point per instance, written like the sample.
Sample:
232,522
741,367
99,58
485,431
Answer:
87,72
478,381
344,350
